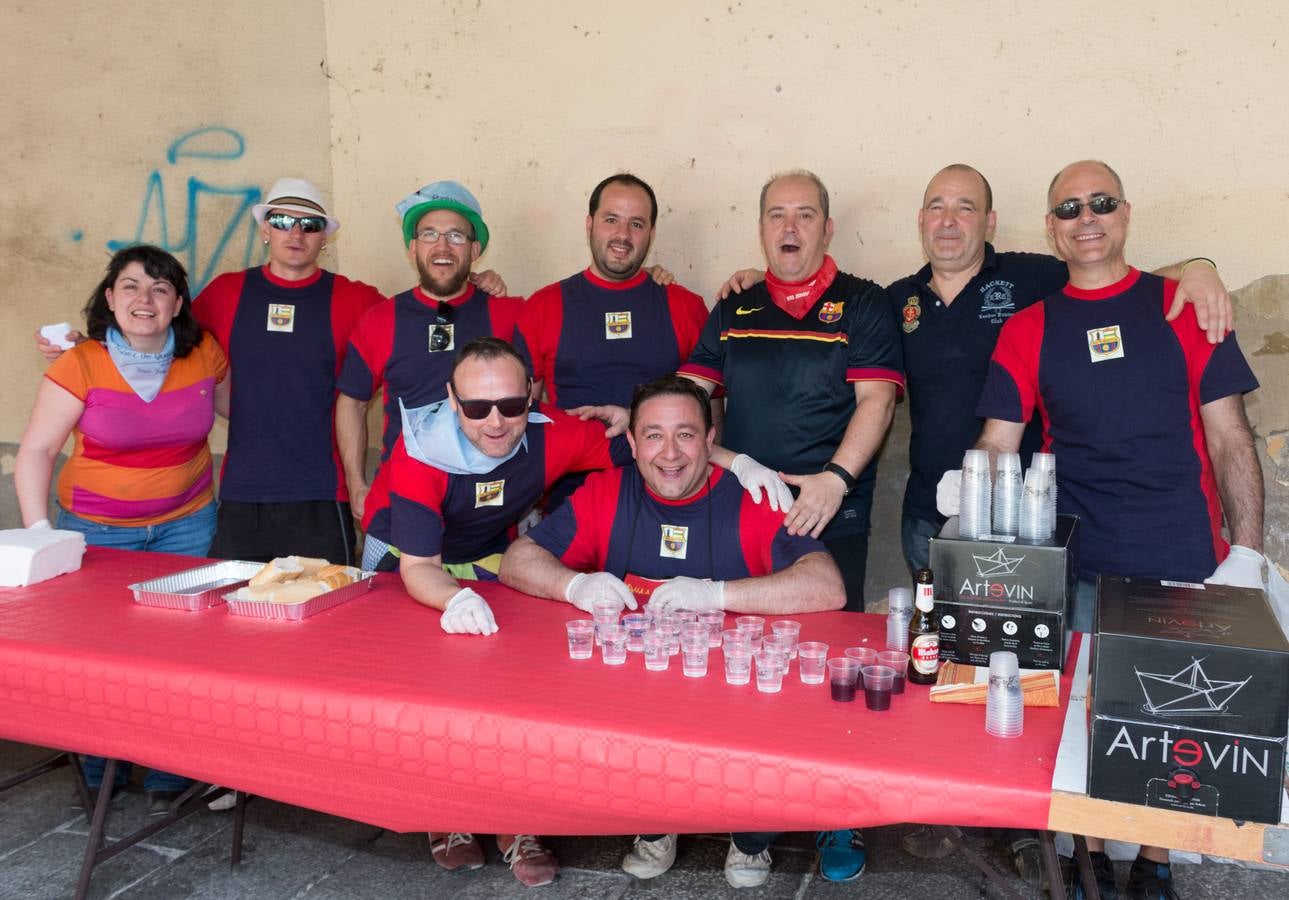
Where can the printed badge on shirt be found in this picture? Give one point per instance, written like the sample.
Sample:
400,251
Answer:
674,540
442,337
831,312
912,314
1105,343
617,325
489,493
281,317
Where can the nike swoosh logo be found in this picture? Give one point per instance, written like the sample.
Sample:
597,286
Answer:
743,311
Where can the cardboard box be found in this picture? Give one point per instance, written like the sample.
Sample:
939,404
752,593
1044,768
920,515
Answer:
1005,595
1190,699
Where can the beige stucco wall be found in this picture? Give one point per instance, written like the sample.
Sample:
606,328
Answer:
530,104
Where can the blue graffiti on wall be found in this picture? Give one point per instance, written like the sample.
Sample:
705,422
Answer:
203,255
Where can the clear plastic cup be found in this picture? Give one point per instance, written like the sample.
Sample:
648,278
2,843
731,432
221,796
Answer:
636,625
693,654
865,656
604,612
613,644
655,651
581,638
673,638
770,667
1007,490
812,657
843,672
783,644
790,628
685,614
738,664
753,625
898,661
714,619
1004,699
879,683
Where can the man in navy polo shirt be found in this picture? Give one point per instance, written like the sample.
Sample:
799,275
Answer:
595,335
1145,416
407,344
681,527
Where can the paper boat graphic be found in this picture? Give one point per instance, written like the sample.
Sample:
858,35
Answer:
996,564
1188,693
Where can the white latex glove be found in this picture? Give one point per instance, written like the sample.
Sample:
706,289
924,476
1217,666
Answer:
683,592
948,493
754,477
467,613
42,525
1241,568
588,587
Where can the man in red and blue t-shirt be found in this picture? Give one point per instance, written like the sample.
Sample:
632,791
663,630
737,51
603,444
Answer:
1145,416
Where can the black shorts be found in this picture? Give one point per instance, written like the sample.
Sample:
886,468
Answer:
262,531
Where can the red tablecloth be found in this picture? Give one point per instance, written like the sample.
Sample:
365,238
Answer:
369,711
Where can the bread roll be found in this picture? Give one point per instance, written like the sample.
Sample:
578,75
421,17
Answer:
309,565
278,571
295,591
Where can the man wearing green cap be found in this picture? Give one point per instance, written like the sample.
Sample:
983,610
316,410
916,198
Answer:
407,344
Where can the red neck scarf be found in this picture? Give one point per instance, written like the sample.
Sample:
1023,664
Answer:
796,297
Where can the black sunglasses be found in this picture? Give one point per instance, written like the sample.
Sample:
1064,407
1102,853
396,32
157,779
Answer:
286,221
1070,209
440,337
509,407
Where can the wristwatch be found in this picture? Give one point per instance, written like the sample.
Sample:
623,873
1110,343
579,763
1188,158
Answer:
841,473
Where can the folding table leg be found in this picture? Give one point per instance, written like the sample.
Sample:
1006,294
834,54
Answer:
1086,875
78,778
239,824
1052,865
954,837
57,761
95,842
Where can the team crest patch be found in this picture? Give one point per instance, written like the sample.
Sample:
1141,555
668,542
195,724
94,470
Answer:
1105,343
674,541
831,312
489,493
912,314
617,325
281,317
442,337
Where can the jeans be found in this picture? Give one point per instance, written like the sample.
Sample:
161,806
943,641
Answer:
186,536
915,539
851,555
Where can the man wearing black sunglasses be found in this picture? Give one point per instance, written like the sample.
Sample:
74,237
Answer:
407,344
1145,416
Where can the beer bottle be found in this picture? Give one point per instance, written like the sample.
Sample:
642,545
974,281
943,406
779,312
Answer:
924,632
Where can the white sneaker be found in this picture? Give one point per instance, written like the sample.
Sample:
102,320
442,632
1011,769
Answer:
223,802
649,859
743,871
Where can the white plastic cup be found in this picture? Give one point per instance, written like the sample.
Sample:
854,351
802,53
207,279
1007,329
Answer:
613,644
636,625
581,638
770,667
714,619
812,657
790,628
655,651
738,664
604,612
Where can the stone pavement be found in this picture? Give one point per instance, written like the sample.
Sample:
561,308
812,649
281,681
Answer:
295,853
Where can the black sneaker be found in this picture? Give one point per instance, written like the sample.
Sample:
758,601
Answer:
1150,880
1027,856
1102,870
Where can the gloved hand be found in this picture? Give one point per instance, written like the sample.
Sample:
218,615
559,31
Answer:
1241,568
42,525
683,592
467,613
948,493
588,587
754,477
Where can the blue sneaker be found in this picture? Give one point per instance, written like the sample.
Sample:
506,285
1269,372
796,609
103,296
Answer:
842,855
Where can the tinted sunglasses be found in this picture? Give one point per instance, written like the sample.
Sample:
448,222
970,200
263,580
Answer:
286,221
1070,209
509,407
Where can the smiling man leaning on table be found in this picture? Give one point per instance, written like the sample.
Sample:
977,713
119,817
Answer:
676,516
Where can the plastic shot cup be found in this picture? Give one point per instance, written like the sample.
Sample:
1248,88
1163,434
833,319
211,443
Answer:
714,619
900,663
655,651
865,656
635,624
843,672
753,625
604,612
581,638
685,614
878,684
613,646
790,628
738,664
770,667
782,644
693,654
811,659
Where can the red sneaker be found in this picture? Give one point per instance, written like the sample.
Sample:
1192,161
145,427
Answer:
532,863
455,850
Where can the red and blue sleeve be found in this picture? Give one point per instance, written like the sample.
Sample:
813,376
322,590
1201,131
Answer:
416,494
767,546
537,333
574,446
1011,386
874,351
363,371
707,359
216,306
1214,370
688,316
350,301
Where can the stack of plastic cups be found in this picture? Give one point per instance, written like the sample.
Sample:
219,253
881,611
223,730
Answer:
899,606
1007,490
1034,505
973,501
1004,700
1046,462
